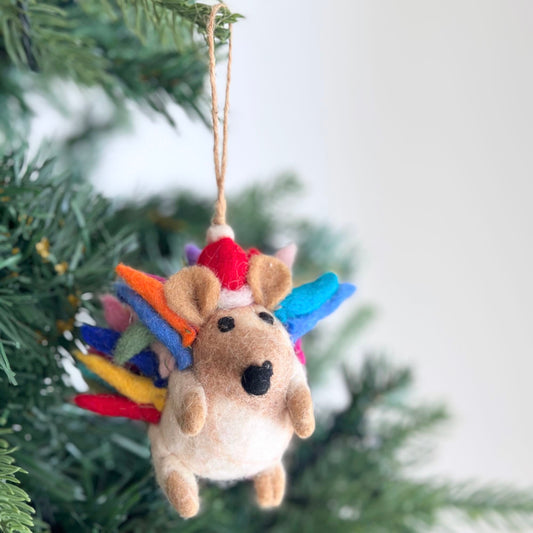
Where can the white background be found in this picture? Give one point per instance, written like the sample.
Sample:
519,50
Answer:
411,123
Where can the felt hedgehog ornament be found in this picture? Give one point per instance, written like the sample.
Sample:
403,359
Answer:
211,358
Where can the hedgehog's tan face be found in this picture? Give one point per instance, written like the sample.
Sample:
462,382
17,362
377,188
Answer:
244,353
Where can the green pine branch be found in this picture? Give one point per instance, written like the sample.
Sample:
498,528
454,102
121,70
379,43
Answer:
141,50
15,511
54,248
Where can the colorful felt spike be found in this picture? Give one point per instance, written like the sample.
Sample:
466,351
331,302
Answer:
137,388
116,315
192,252
300,325
157,325
151,290
104,340
113,405
307,298
134,340
299,351
90,376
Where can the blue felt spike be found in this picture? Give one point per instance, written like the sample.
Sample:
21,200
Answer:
146,362
104,340
101,339
157,325
307,298
299,326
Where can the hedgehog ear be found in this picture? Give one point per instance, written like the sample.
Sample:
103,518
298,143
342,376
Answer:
193,293
269,279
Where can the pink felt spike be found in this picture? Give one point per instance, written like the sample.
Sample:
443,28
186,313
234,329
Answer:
298,350
287,254
117,315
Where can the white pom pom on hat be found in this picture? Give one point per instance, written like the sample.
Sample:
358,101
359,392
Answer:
219,231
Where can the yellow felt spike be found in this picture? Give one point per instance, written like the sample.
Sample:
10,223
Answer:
137,388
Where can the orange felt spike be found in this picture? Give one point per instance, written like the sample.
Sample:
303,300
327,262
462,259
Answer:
151,290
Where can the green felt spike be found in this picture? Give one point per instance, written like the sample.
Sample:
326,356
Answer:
134,340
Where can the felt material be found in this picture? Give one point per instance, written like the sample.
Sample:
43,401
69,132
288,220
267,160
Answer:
256,379
102,339
134,340
243,434
287,254
225,324
188,404
193,293
266,317
112,405
307,298
270,486
269,280
300,406
151,290
223,354
192,253
298,350
182,492
299,326
97,381
228,261
239,298
105,341
137,388
147,364
192,412
116,315
156,277
215,232
155,323
167,363
211,427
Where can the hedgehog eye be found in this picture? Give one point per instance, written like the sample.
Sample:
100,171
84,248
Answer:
225,324
266,317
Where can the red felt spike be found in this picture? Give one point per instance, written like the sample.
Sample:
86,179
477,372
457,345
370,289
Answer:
113,405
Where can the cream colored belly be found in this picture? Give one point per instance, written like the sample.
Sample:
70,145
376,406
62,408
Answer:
233,444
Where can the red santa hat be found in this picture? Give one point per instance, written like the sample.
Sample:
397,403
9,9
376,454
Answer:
226,258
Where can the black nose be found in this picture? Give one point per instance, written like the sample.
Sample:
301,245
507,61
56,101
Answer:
256,379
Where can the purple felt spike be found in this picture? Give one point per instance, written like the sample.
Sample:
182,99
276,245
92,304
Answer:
156,324
299,326
192,252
